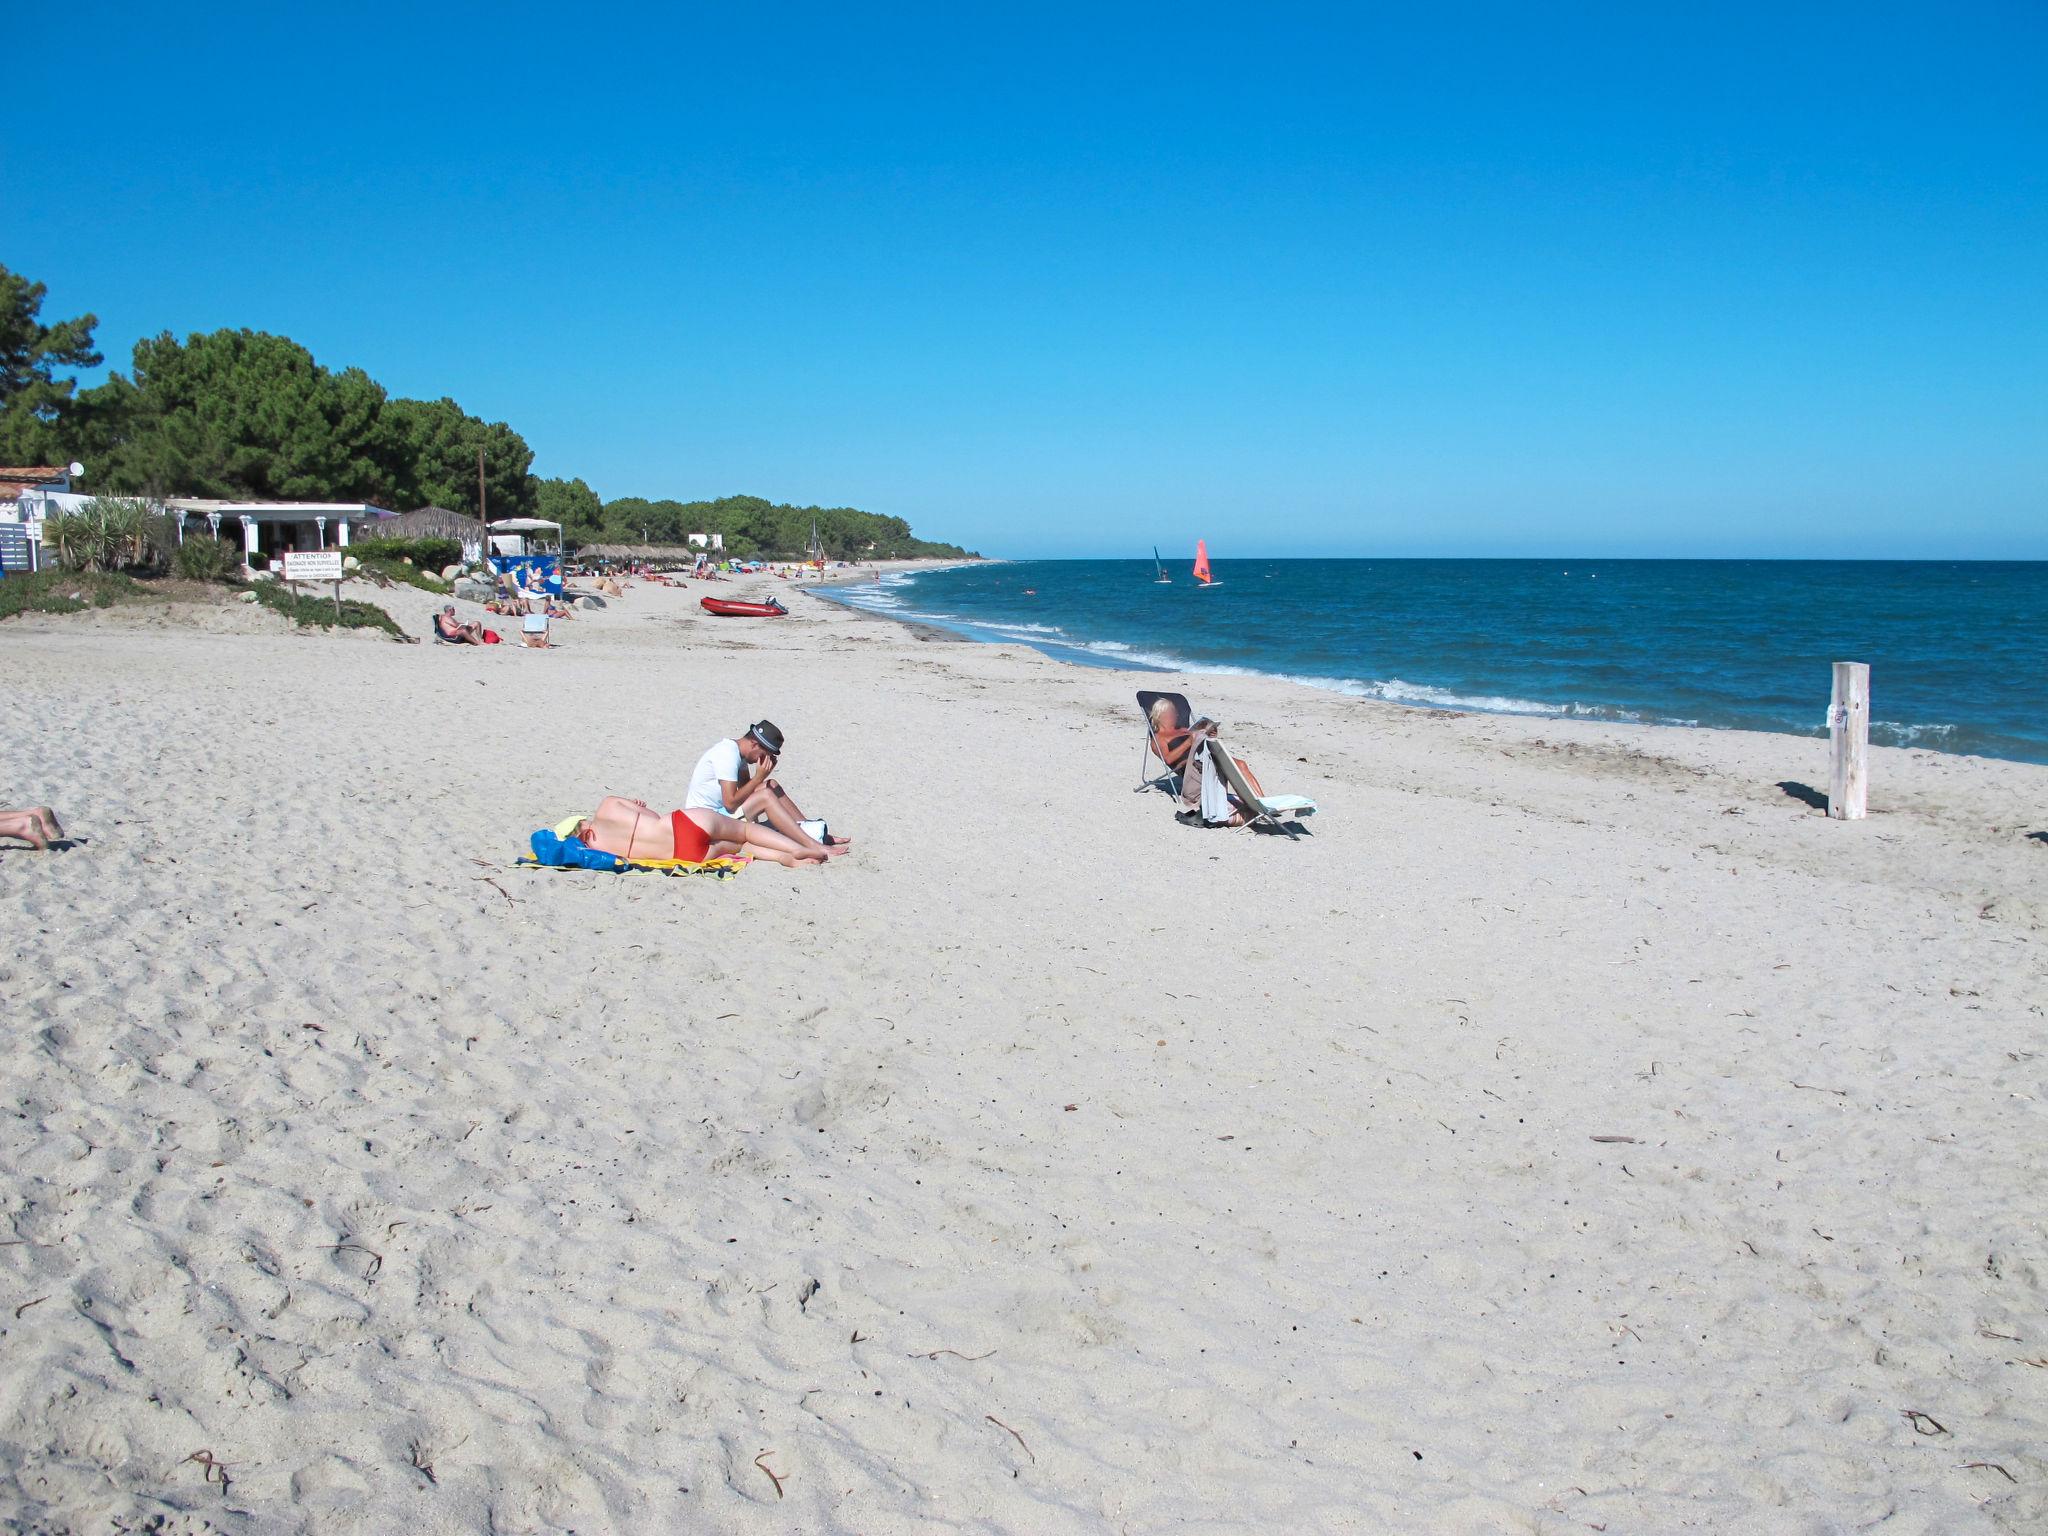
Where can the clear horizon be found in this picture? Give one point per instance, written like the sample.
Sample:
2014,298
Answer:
1477,283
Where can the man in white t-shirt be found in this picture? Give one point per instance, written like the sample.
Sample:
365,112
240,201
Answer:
732,779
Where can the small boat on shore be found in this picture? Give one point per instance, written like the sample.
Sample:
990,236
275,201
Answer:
726,607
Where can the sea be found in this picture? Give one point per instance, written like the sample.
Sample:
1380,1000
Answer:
1958,651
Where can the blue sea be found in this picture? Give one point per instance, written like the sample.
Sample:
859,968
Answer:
1958,652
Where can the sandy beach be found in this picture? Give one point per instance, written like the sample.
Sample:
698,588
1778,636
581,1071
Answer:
1577,1132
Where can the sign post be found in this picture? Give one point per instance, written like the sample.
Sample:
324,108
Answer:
316,565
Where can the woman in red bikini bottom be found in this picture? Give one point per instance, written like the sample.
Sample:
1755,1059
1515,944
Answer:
632,831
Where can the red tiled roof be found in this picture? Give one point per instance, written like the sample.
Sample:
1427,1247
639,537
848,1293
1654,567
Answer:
18,478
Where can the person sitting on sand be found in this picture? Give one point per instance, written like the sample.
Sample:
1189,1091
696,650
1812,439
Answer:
454,631
36,826
732,784
632,831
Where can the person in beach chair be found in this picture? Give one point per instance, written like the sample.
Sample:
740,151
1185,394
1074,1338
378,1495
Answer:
1170,733
731,783
630,830
453,631
533,632
36,826
1220,790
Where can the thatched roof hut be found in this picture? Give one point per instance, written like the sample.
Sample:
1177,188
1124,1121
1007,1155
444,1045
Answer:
653,554
429,523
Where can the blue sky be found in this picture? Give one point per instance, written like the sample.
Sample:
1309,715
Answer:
1082,279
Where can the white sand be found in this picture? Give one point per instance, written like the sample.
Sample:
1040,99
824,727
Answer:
1254,1185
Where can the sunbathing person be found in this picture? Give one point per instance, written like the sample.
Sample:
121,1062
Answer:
732,782
36,826
454,631
1171,740
1197,766
632,831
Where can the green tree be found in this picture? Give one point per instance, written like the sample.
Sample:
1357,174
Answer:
572,504
240,414
438,466
33,400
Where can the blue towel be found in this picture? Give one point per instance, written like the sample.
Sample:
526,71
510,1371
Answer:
568,853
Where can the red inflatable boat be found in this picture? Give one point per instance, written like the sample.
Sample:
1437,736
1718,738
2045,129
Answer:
732,610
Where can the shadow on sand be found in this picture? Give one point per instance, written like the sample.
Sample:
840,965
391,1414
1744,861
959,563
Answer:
1806,794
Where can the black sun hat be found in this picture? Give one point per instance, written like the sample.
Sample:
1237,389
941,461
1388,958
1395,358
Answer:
765,732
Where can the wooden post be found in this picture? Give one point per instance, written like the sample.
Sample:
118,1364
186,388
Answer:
1849,741
337,605
483,511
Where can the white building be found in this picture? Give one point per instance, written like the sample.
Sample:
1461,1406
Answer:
273,528
29,496
707,541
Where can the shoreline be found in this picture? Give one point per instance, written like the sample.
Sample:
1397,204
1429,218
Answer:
1078,653
1586,1083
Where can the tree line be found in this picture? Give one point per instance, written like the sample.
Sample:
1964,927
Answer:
243,415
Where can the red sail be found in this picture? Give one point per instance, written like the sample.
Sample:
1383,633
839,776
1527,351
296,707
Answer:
1202,561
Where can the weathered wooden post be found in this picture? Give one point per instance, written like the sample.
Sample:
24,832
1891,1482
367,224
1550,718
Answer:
1849,742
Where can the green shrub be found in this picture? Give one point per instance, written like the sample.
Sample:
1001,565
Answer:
64,592
108,533
386,566
318,612
205,558
429,554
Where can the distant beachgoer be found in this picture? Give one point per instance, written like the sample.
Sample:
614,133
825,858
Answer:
454,631
732,784
36,826
631,830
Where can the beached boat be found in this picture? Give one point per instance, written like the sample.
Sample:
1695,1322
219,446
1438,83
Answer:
726,607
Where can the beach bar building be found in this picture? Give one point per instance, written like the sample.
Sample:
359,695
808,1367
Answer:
273,528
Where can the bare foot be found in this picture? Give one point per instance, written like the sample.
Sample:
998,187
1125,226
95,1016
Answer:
48,818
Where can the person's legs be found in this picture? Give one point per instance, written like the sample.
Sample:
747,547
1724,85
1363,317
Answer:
29,826
756,840
783,815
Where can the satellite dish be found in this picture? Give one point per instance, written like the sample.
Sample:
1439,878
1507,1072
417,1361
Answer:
77,468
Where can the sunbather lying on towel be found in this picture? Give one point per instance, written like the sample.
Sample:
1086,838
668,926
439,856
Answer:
632,831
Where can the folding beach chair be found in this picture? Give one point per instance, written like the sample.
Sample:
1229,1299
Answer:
1183,717
1279,812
